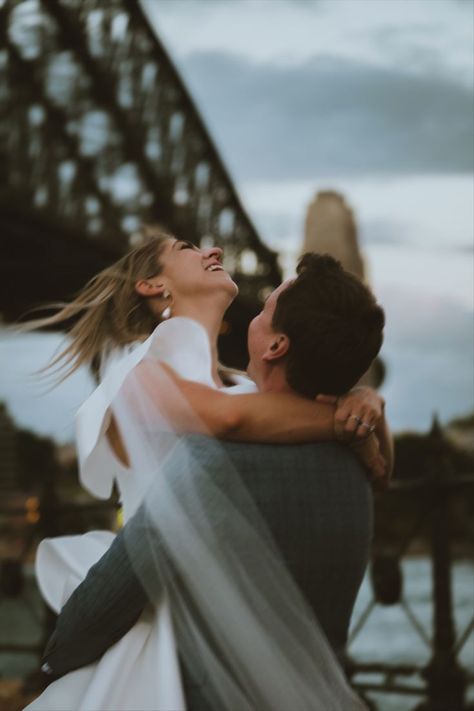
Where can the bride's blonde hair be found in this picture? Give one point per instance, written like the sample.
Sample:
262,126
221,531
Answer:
111,313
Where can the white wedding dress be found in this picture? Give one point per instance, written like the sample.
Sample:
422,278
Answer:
141,671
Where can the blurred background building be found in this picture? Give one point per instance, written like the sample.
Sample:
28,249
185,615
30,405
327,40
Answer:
330,227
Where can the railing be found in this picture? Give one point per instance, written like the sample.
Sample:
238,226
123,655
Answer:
441,683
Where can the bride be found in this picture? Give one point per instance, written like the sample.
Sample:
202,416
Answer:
161,303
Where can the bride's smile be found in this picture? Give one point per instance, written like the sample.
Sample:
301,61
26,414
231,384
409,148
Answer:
190,275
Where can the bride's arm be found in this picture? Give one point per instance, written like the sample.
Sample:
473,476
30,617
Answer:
265,417
291,419
260,417
191,407
283,418
257,417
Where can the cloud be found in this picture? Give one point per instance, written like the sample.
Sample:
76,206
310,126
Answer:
428,352
383,232
428,323
425,48
393,232
330,117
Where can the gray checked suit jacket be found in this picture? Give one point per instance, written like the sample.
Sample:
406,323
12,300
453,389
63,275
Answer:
317,504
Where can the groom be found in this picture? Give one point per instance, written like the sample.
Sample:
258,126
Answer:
316,334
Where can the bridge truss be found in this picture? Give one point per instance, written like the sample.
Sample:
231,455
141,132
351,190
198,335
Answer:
99,135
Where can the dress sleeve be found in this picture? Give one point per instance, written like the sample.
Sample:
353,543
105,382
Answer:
182,344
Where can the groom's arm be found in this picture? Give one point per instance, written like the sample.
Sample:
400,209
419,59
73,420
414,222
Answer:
99,612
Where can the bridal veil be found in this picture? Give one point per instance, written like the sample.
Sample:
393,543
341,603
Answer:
243,627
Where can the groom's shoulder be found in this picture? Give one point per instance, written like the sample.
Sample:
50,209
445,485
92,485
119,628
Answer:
318,454
324,454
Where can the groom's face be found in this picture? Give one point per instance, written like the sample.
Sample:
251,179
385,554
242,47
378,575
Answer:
261,336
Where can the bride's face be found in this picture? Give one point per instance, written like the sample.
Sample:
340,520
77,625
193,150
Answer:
189,272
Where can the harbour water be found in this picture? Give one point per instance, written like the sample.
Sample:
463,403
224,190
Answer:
389,637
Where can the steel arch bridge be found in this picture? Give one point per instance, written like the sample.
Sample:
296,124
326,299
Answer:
99,135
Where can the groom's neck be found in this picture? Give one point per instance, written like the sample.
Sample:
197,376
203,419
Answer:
274,381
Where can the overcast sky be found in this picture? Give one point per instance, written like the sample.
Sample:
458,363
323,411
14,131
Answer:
327,88
369,97
373,99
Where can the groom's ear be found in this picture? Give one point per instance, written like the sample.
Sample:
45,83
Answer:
145,287
277,348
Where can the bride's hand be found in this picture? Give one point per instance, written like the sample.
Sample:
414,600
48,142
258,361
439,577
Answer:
358,413
359,421
369,455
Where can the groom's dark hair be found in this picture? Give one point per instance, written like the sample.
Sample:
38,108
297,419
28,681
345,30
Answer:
334,325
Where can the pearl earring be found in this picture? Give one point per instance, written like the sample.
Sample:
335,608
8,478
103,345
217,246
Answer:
166,313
